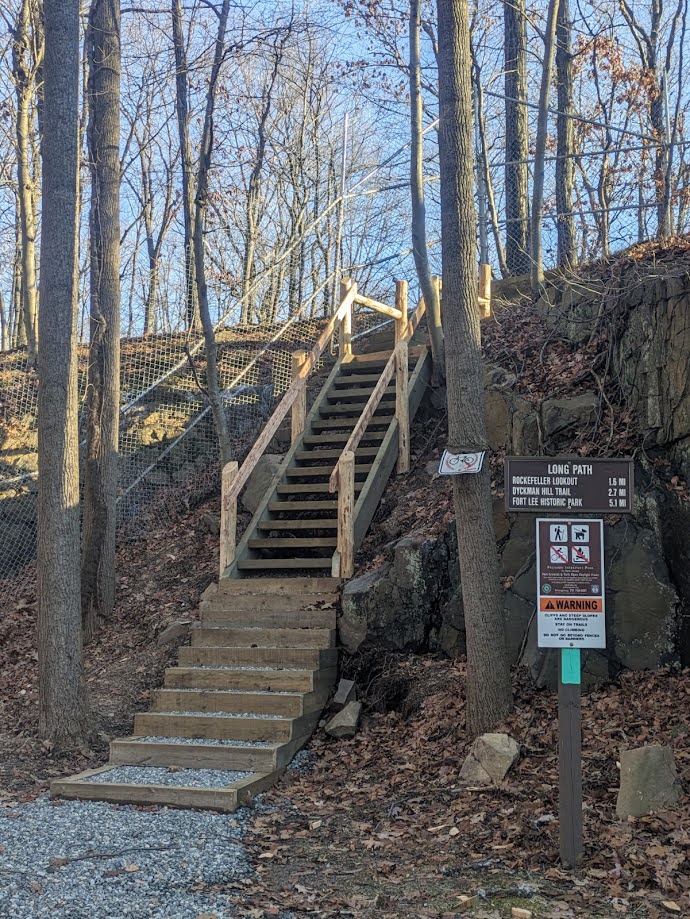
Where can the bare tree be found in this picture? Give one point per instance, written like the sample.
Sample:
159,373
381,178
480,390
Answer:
27,60
537,268
565,144
419,244
102,409
63,709
517,137
183,118
488,676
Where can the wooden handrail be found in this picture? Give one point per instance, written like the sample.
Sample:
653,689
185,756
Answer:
414,320
291,393
391,311
364,418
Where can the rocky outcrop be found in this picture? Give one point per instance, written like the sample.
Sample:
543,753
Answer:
649,782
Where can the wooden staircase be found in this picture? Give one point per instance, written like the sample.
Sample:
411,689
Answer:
249,690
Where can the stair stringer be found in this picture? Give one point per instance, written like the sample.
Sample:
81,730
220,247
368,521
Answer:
262,513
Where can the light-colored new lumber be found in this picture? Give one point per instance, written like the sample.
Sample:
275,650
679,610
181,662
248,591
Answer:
228,516
401,305
346,507
299,406
393,311
402,406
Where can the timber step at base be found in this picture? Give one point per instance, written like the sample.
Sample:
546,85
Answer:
252,637
277,563
94,785
198,753
257,680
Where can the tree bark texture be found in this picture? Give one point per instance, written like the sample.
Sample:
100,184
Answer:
102,409
488,675
419,246
212,381
565,142
63,709
182,108
26,58
537,268
517,137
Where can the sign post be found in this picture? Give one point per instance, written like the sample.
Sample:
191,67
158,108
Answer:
570,591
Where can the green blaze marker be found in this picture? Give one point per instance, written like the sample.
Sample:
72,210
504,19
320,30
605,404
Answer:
570,665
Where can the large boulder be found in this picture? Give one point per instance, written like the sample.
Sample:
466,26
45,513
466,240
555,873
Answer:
563,419
397,605
498,428
490,759
642,602
344,725
260,480
649,782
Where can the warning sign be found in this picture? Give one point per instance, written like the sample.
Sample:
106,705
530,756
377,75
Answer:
570,573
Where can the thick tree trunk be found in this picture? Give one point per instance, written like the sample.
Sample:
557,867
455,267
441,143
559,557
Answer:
24,80
537,269
63,709
488,675
419,246
517,137
182,107
102,410
212,382
565,145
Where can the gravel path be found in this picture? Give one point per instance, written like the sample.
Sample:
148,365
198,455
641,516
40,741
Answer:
90,860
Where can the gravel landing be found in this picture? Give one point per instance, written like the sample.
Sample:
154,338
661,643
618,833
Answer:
154,775
163,711
90,860
205,741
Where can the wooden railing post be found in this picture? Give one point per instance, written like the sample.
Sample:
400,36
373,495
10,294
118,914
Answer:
299,406
484,290
346,513
345,338
402,406
228,517
401,304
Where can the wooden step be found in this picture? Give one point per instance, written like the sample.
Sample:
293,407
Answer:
328,439
268,525
322,424
305,456
357,394
276,564
274,586
311,488
298,507
133,751
255,679
251,637
226,799
307,542
306,472
300,658
356,409
212,727
275,612
287,705
357,379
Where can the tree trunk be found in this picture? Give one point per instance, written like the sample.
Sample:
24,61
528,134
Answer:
565,145
212,382
63,708
419,246
488,674
102,408
517,137
537,270
24,79
182,107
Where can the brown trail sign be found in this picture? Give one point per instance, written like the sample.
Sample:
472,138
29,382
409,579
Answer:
561,483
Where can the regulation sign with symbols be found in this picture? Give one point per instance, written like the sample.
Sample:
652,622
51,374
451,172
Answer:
570,583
